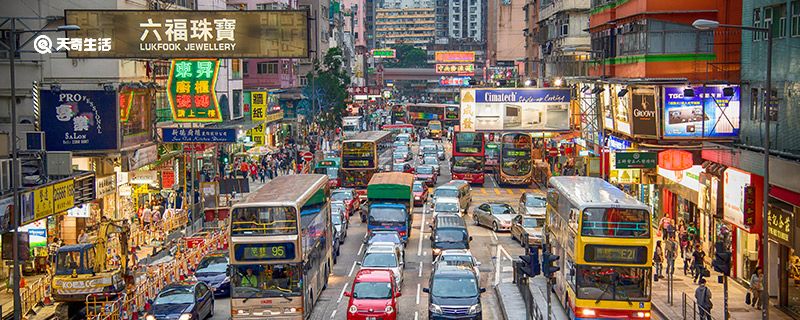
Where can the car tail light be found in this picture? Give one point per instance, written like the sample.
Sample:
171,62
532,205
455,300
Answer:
588,312
642,314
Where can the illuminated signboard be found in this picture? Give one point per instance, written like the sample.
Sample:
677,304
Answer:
454,81
264,251
357,163
615,254
190,88
516,153
529,109
186,34
455,56
383,53
710,113
455,68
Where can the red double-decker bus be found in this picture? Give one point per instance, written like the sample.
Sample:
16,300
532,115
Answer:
469,150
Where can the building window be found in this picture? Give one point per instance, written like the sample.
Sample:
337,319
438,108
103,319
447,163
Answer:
237,104
267,67
757,23
768,20
795,18
303,81
779,12
236,69
754,94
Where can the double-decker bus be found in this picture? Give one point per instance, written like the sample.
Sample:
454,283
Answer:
492,156
329,167
604,239
468,157
421,113
361,158
280,248
515,159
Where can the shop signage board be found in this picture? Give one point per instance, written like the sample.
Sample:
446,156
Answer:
735,184
106,185
265,34
79,120
749,205
203,135
36,204
636,160
528,109
142,177
454,56
608,99
622,113
364,91
644,112
259,104
37,233
272,117
454,81
689,178
675,160
614,143
780,226
258,134
63,196
709,114
455,68
167,178
191,92
81,211
384,53
142,157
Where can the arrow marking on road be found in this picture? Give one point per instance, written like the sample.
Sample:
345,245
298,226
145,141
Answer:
333,314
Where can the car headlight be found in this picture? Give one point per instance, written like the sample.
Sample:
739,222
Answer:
435,308
185,316
150,317
352,309
388,310
475,308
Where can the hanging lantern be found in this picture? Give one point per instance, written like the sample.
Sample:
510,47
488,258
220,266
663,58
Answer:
675,160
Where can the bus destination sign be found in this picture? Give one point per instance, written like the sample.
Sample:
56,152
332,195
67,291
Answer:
264,251
616,254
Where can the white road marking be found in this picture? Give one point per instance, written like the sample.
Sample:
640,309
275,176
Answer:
416,315
360,248
418,289
505,253
420,269
425,254
333,314
497,267
494,235
421,232
350,274
341,294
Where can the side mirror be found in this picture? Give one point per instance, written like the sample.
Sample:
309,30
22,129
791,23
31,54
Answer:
426,290
478,264
470,238
347,294
150,301
483,290
358,263
397,294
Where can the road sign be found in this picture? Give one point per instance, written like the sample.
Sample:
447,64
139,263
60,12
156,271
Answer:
307,156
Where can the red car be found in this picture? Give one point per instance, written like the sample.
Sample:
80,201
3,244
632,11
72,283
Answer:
374,296
420,190
349,197
426,173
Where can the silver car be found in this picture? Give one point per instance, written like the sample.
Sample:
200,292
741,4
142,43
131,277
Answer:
532,204
440,151
496,215
384,257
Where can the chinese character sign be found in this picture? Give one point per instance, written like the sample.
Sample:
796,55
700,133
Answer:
258,134
259,105
191,90
79,120
455,68
185,135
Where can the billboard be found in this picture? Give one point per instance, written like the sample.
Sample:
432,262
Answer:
643,110
455,68
383,53
191,92
529,109
708,114
454,56
189,34
202,135
79,120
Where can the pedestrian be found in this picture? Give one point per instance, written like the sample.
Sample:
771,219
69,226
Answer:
83,237
147,217
262,173
658,258
670,253
662,226
703,297
698,264
756,288
683,236
52,249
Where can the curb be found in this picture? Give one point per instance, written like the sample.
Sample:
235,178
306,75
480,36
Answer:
500,302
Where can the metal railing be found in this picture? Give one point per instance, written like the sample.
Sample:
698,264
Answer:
691,310
531,310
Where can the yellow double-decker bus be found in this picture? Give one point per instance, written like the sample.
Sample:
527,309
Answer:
361,158
280,248
604,239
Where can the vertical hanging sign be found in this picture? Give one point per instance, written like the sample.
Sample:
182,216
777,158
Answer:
192,97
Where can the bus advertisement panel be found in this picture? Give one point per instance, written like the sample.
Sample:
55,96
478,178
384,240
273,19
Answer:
468,157
528,109
420,114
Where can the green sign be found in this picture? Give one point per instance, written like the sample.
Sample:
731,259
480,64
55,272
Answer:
192,97
383,53
636,160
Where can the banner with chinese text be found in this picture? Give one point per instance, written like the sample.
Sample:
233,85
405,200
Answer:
192,97
259,105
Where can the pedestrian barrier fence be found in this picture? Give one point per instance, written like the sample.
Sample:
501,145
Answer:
106,306
691,310
33,293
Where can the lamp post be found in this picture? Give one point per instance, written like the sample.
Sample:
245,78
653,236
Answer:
703,24
12,50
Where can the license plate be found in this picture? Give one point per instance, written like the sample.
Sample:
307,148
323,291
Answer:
372,318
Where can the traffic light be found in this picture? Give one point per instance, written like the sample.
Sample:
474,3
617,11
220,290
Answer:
548,262
722,258
530,264
223,157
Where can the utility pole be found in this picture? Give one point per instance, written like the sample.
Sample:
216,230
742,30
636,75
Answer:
14,174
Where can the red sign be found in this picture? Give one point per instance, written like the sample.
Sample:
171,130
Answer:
749,206
167,178
307,156
455,56
675,160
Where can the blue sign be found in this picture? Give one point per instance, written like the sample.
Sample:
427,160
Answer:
708,114
79,120
179,135
523,95
613,143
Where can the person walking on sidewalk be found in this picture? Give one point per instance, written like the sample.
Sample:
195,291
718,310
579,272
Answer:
703,296
755,289
658,258
671,252
698,264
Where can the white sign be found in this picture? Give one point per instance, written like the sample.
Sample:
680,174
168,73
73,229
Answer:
734,181
143,177
105,186
689,178
142,157
515,109
43,44
81,211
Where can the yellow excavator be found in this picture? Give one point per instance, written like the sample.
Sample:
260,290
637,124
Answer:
82,270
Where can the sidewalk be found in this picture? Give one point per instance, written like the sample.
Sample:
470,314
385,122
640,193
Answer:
683,284
7,296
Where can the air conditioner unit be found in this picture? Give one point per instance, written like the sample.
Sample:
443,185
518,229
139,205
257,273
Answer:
59,163
32,141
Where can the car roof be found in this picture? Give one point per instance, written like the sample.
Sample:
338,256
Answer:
383,244
373,275
343,190
179,285
447,200
449,270
216,254
385,231
456,252
380,248
450,220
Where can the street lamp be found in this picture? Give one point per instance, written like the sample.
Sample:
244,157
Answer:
703,24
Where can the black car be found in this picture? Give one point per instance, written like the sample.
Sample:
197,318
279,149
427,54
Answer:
182,301
449,231
454,293
213,271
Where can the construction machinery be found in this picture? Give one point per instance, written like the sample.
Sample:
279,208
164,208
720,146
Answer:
83,270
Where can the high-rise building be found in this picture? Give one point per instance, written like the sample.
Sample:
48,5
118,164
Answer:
563,36
466,20
408,25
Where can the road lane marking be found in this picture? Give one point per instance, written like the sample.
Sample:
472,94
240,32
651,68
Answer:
496,191
497,266
416,315
418,288
341,294
494,235
505,253
350,274
483,190
333,314
510,191
360,248
421,232
425,254
420,269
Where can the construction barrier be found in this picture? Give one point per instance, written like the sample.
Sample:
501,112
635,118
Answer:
105,306
33,293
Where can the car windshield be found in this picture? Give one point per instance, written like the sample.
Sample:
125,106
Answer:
446,207
379,260
372,290
435,126
430,160
264,221
215,264
425,170
183,295
399,155
535,201
502,208
341,195
454,287
336,219
378,215
398,167
613,283
337,206
446,193
533,222
401,149
385,237
267,280
450,235
615,223
457,260
417,187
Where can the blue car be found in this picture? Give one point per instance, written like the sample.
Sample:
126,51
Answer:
213,271
182,301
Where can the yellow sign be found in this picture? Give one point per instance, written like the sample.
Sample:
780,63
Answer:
274,117
63,196
259,105
258,134
43,202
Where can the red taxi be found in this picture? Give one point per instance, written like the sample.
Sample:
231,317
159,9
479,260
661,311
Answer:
373,296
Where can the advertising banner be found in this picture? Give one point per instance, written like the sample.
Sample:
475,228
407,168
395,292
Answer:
168,34
708,114
106,185
384,53
454,81
529,109
735,182
635,160
6,211
259,104
622,112
63,196
191,93
258,134
37,233
79,120
204,135
455,68
454,56
643,107
607,101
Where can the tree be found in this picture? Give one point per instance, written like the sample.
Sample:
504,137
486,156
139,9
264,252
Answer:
409,56
326,91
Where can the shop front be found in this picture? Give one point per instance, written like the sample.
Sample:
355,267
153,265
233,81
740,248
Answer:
782,225
679,196
741,211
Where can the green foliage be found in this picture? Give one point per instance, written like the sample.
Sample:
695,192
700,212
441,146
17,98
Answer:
408,56
326,91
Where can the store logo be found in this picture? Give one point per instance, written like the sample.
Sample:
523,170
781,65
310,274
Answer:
43,44
644,113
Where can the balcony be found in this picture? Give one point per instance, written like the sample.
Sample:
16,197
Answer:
563,5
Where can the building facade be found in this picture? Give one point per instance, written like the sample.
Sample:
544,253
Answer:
563,38
412,25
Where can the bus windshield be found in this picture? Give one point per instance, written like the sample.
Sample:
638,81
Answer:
264,221
615,223
266,281
516,162
434,126
468,142
467,164
358,155
613,283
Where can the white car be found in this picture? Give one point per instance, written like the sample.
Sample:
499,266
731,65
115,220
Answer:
446,206
460,258
384,258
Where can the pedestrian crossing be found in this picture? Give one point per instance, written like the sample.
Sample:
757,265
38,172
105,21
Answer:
502,191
